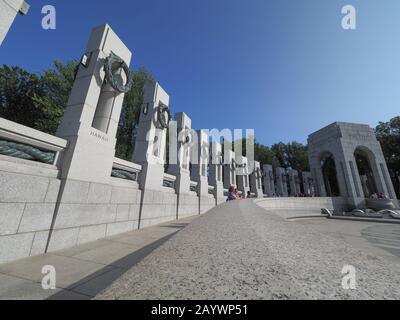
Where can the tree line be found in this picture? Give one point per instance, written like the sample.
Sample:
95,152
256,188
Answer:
38,100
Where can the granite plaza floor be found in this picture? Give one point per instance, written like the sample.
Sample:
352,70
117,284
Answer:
236,251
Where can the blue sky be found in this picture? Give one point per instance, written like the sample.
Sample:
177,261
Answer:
283,67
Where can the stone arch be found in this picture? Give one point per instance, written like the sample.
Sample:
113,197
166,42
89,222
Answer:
329,174
368,170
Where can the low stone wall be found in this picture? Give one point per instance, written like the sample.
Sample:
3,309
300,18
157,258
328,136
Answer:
221,200
90,211
40,212
158,207
28,196
207,202
188,205
86,211
303,205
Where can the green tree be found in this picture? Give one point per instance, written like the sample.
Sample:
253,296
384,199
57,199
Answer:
265,155
39,100
294,155
262,153
297,156
388,134
56,85
279,149
36,101
17,89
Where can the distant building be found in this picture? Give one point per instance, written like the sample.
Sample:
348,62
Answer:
8,11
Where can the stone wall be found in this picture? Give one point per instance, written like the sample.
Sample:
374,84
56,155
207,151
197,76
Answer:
310,205
188,204
28,193
207,202
90,211
28,196
158,207
41,212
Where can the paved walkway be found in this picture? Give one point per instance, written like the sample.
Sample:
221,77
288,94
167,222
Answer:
240,251
84,271
236,251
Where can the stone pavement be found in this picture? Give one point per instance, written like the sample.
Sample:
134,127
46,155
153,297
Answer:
235,251
84,271
241,251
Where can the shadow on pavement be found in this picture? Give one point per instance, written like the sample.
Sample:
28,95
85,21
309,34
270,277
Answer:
95,283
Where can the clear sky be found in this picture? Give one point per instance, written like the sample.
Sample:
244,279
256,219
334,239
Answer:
282,67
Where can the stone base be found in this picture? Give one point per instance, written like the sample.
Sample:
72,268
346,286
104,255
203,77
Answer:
207,203
188,205
28,196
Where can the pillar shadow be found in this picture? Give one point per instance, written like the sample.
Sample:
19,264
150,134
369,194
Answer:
104,277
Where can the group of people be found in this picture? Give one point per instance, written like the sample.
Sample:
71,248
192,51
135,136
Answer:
378,196
297,195
233,194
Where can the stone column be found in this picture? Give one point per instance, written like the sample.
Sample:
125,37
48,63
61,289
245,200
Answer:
181,168
187,204
307,184
281,182
91,149
242,175
256,180
215,178
158,201
8,12
364,185
199,171
151,139
269,180
85,194
290,175
229,169
294,182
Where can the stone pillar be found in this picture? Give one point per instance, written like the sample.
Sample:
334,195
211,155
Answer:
151,138
91,150
256,180
181,169
398,179
8,11
242,175
84,209
364,185
294,182
269,180
229,169
158,198
281,182
187,204
199,171
308,184
215,178
319,181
